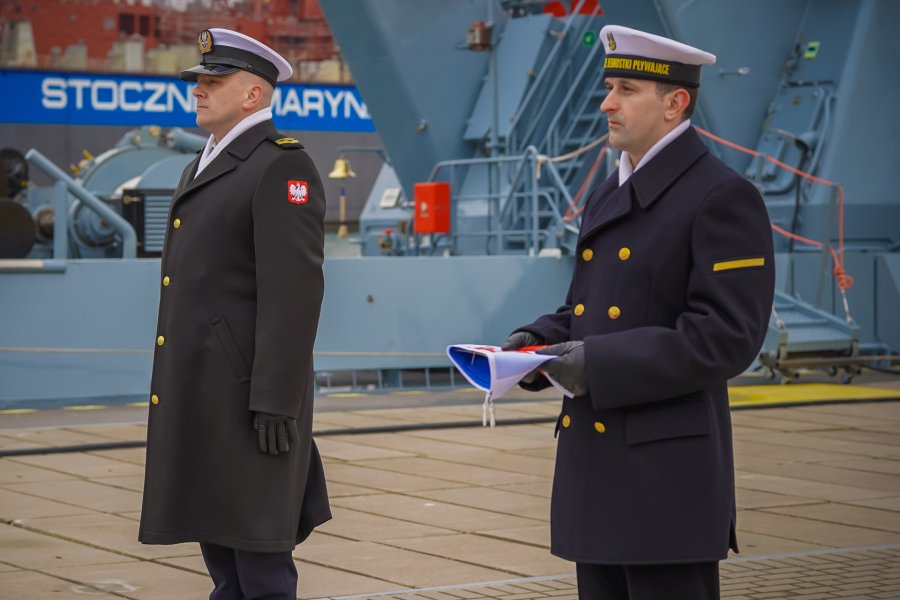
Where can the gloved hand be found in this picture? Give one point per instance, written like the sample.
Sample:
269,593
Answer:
275,433
520,339
568,366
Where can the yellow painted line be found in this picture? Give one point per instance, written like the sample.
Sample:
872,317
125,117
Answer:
408,393
17,411
346,395
800,393
139,404
85,407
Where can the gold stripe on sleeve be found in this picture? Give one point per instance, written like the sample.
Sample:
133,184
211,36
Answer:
739,264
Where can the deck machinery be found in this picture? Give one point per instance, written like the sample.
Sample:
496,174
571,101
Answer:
497,105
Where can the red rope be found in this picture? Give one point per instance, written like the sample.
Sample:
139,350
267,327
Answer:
844,281
570,214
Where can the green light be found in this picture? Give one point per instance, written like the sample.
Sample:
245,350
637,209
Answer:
589,38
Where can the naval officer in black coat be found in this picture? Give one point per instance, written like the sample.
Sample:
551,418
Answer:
670,297
231,462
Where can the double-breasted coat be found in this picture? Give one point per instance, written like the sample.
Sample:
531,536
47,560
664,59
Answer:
240,292
671,294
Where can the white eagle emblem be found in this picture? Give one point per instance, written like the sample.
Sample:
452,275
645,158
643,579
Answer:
298,192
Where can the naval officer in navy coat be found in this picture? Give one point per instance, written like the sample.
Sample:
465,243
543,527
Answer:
670,297
231,462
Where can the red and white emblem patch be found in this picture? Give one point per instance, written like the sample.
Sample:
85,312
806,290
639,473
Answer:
298,192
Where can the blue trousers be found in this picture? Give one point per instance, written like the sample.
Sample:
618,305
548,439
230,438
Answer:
242,575
692,581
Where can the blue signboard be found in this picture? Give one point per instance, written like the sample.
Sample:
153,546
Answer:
55,98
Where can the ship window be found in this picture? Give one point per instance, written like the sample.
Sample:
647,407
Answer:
144,21
126,23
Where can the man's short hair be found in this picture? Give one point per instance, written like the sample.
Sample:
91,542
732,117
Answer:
664,88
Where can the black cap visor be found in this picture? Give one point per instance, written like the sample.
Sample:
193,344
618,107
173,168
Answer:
214,70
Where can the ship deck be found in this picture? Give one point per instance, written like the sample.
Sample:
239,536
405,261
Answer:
432,508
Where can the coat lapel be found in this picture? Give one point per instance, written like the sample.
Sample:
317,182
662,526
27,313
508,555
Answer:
609,203
606,205
654,178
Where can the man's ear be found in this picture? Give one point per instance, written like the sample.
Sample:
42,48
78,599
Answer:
676,103
253,96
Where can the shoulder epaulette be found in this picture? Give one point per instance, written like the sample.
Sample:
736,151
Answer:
286,142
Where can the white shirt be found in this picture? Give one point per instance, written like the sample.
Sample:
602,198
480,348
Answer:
214,148
625,169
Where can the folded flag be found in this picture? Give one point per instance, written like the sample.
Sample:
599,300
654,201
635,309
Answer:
496,371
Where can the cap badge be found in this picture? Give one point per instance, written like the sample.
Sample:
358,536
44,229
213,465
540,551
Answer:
298,192
611,40
206,42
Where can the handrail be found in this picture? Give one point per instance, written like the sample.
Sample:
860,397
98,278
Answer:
123,227
535,119
546,66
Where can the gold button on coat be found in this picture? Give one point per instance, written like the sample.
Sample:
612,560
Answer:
624,253
588,254
579,310
166,280
566,421
600,427
176,223
160,341
614,312
154,399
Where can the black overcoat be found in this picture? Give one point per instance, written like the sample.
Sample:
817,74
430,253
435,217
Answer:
240,293
671,293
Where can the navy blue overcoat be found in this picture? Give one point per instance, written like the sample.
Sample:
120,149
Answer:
671,293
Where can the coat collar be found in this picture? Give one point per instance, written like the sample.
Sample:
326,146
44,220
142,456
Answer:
651,180
240,148
609,202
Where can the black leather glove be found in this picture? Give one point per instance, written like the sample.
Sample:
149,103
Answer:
275,433
568,366
520,339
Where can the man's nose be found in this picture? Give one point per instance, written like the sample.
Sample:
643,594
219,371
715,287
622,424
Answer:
608,104
198,91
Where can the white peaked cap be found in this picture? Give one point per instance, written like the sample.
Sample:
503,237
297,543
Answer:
641,55
224,51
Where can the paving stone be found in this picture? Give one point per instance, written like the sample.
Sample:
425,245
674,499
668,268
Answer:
82,465
385,481
356,525
82,493
12,472
844,514
491,553
343,450
437,514
15,505
107,531
403,567
495,499
27,584
141,580
37,551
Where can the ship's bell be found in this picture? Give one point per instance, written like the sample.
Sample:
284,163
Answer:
342,169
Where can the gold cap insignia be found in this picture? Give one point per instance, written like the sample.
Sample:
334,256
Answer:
611,39
206,42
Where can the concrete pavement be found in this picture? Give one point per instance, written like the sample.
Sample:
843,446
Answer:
461,513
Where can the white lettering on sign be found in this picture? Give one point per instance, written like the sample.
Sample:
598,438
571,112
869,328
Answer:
312,102
58,93
100,97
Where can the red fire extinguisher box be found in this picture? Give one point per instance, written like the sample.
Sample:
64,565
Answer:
432,201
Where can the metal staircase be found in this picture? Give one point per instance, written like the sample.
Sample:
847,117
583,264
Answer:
803,336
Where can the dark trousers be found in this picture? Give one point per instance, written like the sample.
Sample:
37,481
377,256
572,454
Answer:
242,575
692,581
